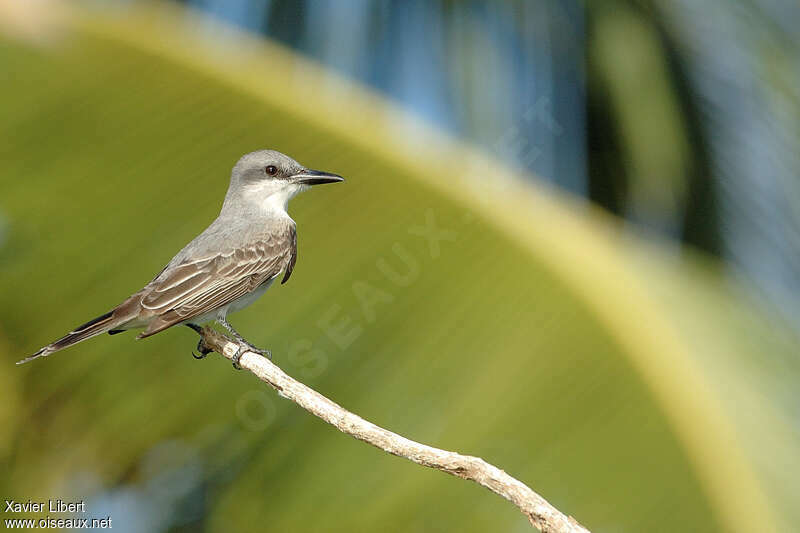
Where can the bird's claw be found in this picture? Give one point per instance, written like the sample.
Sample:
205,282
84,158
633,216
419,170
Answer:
204,351
248,348
238,355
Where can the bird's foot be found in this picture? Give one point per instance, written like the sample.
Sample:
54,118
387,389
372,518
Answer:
203,349
245,346
201,345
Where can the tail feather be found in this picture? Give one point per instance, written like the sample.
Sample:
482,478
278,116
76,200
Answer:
85,331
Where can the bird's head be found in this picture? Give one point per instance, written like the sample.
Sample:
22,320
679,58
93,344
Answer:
270,179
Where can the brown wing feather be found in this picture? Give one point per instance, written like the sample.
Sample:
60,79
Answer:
293,258
193,289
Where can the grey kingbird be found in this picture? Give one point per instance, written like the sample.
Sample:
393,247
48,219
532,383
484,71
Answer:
228,266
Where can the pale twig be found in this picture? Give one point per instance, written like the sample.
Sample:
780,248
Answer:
539,512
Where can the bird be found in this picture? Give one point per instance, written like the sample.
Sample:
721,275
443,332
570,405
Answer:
227,267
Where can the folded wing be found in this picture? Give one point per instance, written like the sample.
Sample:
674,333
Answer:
198,287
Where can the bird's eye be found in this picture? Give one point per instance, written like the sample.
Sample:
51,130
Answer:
271,170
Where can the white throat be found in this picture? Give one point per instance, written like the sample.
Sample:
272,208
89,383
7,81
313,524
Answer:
278,201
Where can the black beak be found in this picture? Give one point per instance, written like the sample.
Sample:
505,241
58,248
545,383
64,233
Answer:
315,177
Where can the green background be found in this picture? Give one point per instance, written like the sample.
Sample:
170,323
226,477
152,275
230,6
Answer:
631,386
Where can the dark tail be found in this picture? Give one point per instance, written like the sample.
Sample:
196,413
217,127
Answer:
94,327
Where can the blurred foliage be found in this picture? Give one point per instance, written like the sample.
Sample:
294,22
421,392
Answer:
693,109
596,368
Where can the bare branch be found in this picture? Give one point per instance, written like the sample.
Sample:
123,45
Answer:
539,512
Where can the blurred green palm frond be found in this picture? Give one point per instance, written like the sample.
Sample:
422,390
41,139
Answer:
634,390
